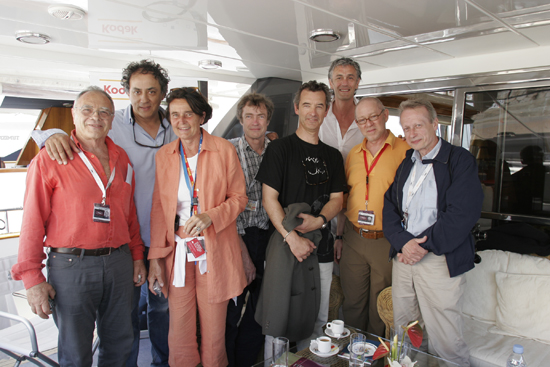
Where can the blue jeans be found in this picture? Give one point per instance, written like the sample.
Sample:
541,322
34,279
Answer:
92,289
158,322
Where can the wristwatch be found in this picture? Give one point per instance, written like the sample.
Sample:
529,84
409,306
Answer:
325,222
339,237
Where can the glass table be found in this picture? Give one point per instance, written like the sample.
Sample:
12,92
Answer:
423,359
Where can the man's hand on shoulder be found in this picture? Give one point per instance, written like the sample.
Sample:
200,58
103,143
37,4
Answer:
301,247
37,296
59,146
310,223
412,252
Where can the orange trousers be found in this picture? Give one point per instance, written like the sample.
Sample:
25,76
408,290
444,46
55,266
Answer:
182,340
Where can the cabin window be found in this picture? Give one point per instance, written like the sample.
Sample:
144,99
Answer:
508,131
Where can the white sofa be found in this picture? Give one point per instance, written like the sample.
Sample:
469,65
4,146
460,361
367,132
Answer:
507,302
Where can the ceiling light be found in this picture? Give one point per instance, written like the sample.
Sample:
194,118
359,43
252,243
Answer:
66,12
324,35
32,37
210,64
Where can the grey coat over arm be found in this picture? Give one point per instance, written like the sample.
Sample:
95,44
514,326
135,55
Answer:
291,290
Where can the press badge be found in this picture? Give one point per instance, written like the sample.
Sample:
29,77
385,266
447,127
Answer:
365,217
102,213
252,205
195,248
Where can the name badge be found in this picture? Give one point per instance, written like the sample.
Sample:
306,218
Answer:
102,213
252,205
365,217
405,221
196,249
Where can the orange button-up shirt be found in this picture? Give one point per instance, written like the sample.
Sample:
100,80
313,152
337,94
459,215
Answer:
58,205
380,178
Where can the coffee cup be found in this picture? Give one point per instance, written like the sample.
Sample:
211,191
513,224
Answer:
324,344
336,326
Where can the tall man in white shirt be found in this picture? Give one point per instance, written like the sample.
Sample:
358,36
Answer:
339,130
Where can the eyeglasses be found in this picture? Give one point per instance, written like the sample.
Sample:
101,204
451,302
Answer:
146,145
374,118
316,171
88,111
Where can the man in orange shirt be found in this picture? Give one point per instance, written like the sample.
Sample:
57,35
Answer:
370,169
85,214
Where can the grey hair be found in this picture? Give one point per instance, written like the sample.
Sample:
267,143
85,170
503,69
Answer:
95,88
416,103
344,61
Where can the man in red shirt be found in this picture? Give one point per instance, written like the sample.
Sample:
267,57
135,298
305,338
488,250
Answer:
85,214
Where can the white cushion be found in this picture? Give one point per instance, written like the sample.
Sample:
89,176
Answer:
480,295
527,264
522,305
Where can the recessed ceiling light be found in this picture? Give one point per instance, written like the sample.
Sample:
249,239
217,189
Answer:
32,38
210,64
324,35
66,12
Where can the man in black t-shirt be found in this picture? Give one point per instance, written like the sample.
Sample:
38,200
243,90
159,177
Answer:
301,168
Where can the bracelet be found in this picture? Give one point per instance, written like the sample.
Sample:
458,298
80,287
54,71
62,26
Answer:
339,238
284,239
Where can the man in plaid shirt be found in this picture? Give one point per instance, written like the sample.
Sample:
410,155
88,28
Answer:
244,341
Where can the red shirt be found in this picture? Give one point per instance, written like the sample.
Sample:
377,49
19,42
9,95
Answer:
59,202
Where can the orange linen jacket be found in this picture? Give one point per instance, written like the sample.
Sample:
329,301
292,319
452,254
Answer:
222,195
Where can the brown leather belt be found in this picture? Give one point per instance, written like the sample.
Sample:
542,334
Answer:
371,235
105,251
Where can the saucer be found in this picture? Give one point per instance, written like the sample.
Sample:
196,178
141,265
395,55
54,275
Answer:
332,352
369,349
343,335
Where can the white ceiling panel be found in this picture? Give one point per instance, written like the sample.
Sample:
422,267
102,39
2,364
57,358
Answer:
266,38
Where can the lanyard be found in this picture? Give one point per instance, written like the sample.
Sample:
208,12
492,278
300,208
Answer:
370,170
96,176
189,180
413,187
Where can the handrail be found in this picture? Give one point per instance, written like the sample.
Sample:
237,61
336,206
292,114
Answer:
8,170
6,224
29,326
34,353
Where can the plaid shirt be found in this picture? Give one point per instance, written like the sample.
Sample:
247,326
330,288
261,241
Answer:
259,217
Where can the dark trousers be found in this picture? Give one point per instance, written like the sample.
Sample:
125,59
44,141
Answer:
92,289
244,340
158,322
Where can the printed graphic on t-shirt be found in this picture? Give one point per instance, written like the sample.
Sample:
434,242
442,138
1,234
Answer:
316,171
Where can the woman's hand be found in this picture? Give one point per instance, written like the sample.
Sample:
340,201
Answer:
197,223
155,273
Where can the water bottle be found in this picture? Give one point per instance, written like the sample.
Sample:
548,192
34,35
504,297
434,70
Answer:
516,358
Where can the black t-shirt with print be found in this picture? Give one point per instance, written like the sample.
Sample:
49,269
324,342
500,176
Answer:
304,172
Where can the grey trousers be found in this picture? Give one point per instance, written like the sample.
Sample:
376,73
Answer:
90,289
